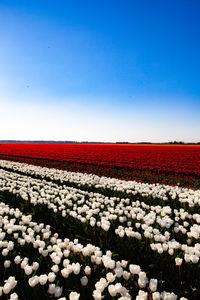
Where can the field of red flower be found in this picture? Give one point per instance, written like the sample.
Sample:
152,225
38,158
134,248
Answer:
171,164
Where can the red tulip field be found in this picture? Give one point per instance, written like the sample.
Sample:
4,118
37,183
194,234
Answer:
168,164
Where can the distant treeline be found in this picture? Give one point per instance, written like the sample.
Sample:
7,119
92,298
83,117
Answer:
87,142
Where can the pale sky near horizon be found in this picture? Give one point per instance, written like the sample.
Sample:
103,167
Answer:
100,70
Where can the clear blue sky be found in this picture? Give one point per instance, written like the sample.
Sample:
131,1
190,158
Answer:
100,70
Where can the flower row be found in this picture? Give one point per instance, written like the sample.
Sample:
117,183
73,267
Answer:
66,263
162,192
138,220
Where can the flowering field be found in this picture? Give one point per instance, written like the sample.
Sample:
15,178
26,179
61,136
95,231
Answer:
167,164
75,235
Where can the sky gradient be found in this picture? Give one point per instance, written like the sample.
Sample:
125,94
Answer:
100,70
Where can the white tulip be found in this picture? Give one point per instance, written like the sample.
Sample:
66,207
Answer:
87,270
112,291
84,281
74,296
134,269
153,285
7,264
52,288
178,261
33,281
97,295
28,270
14,296
156,296
58,291
43,279
7,288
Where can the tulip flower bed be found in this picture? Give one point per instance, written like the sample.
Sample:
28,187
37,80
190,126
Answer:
69,235
167,164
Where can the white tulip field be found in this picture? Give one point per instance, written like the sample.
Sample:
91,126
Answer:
68,235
